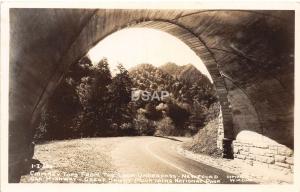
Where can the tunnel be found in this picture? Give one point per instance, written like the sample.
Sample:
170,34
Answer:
249,55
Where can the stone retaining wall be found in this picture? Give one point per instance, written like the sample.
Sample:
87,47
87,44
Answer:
272,156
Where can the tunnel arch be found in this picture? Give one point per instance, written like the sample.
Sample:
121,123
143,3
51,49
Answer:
253,48
196,45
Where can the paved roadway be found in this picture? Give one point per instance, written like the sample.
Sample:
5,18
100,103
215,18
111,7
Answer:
156,160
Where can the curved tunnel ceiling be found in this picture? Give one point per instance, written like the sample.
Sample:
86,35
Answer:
246,52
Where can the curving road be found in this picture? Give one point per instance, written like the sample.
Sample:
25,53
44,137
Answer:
121,160
155,160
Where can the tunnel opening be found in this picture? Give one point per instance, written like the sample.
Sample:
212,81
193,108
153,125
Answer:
160,79
225,138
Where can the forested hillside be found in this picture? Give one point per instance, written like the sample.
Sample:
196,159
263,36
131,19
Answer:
90,102
188,73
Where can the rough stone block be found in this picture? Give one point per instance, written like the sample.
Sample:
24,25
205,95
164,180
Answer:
244,153
285,151
236,143
280,158
248,145
269,154
273,147
239,156
261,145
235,150
270,160
262,159
257,151
246,149
290,160
272,151
284,165
250,157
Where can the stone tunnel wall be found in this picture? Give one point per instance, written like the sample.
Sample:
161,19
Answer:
254,147
263,128
250,55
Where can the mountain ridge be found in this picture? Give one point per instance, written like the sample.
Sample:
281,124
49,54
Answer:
186,72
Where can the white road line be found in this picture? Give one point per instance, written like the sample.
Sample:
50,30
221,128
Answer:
169,163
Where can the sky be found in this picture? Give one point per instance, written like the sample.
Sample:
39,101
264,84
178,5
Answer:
134,46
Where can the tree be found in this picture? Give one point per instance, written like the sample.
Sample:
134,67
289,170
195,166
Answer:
178,115
119,98
61,109
120,88
82,68
152,113
165,127
143,125
95,96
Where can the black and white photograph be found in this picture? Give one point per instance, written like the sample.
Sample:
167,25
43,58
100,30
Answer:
150,96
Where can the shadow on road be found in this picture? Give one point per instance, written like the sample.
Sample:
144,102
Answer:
174,139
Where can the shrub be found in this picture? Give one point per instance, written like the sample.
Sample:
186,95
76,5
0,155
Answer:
143,125
165,127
